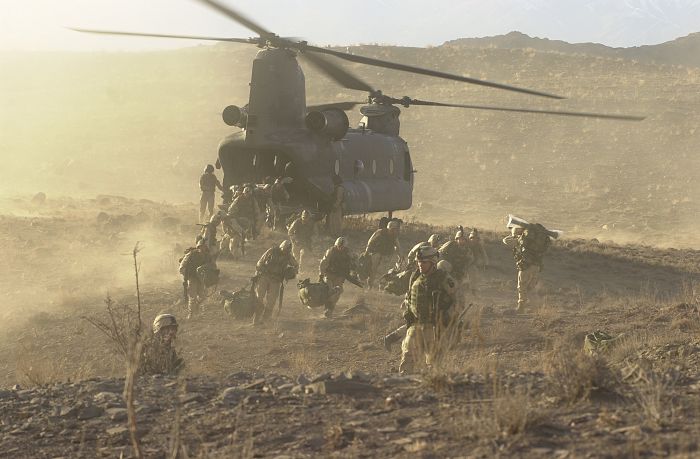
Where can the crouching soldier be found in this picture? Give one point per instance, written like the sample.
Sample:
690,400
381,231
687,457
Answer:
158,353
430,311
337,265
381,246
277,264
193,284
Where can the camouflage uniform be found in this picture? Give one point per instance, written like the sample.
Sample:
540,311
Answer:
241,220
336,266
459,256
278,197
335,215
158,354
529,262
381,246
270,272
301,232
208,183
193,259
430,312
480,261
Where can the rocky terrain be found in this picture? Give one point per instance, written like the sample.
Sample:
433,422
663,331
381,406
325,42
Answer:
516,386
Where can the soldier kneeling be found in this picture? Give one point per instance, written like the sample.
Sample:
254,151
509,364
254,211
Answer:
158,354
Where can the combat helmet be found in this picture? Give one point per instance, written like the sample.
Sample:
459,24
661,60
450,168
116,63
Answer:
285,246
340,242
163,320
434,240
428,253
444,265
209,168
393,224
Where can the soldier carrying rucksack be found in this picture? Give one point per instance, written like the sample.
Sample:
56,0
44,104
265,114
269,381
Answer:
529,241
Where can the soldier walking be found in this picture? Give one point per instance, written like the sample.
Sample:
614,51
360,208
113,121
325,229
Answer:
430,314
276,265
381,246
529,243
480,260
241,220
458,254
194,285
337,265
208,183
301,232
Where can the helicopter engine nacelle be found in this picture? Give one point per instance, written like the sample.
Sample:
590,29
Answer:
331,122
235,116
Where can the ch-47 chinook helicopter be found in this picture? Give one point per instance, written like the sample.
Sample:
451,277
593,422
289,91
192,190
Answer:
282,136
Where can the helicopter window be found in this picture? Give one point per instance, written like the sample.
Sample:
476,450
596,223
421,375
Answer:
337,166
391,167
374,167
255,160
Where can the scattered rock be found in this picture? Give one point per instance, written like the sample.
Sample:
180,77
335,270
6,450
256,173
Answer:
232,395
346,387
89,412
303,380
116,414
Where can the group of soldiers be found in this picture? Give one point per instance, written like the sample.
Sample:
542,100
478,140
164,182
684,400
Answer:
440,275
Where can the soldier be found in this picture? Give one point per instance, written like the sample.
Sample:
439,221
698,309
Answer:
480,260
208,234
458,254
279,196
301,231
433,241
337,265
430,313
335,214
381,246
529,244
193,283
158,355
208,183
241,220
277,264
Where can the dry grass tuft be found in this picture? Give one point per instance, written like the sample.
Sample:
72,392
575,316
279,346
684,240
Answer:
573,375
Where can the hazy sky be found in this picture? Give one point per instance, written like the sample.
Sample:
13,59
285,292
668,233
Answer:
38,24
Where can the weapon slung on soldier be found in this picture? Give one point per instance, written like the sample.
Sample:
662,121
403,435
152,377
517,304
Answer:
184,289
352,278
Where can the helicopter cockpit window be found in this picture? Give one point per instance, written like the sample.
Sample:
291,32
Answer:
374,167
391,167
255,160
337,166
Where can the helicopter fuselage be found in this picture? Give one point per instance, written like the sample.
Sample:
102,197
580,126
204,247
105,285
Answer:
375,167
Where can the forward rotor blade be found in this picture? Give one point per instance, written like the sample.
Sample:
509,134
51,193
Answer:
339,105
158,35
338,74
422,71
527,110
238,17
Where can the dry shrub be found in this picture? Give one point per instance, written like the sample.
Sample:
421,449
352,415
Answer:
652,392
573,375
34,369
502,420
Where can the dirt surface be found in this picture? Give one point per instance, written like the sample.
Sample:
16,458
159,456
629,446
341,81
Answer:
517,385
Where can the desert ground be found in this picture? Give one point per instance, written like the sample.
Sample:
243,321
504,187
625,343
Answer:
516,386
115,142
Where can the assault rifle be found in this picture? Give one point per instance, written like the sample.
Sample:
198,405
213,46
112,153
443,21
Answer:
352,278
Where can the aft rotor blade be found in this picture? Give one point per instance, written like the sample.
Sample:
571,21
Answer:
159,35
339,105
238,17
527,110
422,71
337,73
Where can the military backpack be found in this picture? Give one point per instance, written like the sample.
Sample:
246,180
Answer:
313,294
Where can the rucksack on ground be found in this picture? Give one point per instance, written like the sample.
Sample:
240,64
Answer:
240,304
314,294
